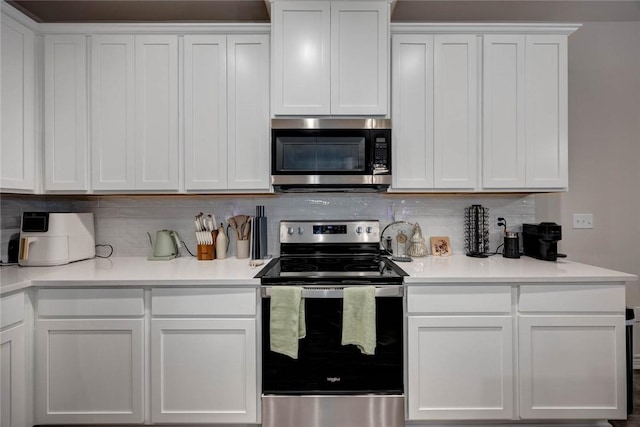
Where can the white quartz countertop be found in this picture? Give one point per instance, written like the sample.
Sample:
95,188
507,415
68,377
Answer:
132,271
138,271
497,269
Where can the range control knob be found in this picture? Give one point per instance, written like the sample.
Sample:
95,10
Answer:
300,230
358,230
369,230
290,230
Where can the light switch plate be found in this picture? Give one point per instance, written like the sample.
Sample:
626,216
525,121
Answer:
582,220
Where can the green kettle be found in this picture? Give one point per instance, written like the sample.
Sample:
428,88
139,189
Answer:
166,245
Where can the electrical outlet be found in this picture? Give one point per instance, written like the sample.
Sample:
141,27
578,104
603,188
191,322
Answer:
582,220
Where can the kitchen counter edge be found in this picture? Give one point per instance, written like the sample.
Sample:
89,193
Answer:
139,272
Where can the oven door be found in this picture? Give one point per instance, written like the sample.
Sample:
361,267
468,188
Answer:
330,384
324,365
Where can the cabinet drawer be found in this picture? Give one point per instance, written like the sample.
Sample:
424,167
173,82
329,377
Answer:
11,309
204,302
572,298
90,302
459,299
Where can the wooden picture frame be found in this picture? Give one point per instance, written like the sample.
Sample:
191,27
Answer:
440,246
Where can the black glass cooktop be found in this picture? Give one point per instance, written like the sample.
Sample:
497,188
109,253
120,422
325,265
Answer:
364,270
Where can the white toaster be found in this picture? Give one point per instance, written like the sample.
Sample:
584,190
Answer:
56,238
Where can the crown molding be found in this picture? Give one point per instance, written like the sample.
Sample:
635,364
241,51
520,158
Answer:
18,16
485,28
163,28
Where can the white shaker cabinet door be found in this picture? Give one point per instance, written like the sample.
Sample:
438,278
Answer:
89,371
572,367
455,111
203,371
359,58
113,112
65,100
205,107
503,157
460,368
547,111
156,80
412,111
18,134
248,112
301,58
13,385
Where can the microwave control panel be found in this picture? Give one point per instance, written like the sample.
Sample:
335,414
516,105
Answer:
381,155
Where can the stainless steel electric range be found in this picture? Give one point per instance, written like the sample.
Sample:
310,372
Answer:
330,384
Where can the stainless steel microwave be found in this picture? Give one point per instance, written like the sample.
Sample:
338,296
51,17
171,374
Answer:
309,155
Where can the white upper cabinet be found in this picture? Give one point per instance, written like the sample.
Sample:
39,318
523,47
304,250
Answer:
359,58
134,112
547,111
412,111
17,146
455,111
330,58
249,126
226,112
112,112
525,112
301,58
65,117
443,84
205,107
435,111
156,81
504,112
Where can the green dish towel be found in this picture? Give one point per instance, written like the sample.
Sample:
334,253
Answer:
287,320
359,318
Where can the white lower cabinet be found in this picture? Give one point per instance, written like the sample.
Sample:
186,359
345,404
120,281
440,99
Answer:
204,356
93,363
572,362
559,352
203,370
89,356
460,360
13,362
13,385
461,368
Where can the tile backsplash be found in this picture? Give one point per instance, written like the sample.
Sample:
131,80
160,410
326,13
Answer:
123,221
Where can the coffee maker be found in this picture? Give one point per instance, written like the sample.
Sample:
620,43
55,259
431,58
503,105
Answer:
541,240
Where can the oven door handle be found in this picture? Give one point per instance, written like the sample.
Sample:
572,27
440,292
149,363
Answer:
337,291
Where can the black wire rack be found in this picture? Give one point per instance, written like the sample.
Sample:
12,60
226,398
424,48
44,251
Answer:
476,231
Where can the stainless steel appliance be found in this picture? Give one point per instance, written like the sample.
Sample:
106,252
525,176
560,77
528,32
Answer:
541,240
330,384
56,238
330,155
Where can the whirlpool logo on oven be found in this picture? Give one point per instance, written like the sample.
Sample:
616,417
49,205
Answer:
333,379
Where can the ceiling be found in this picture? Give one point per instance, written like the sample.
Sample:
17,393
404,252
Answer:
256,10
